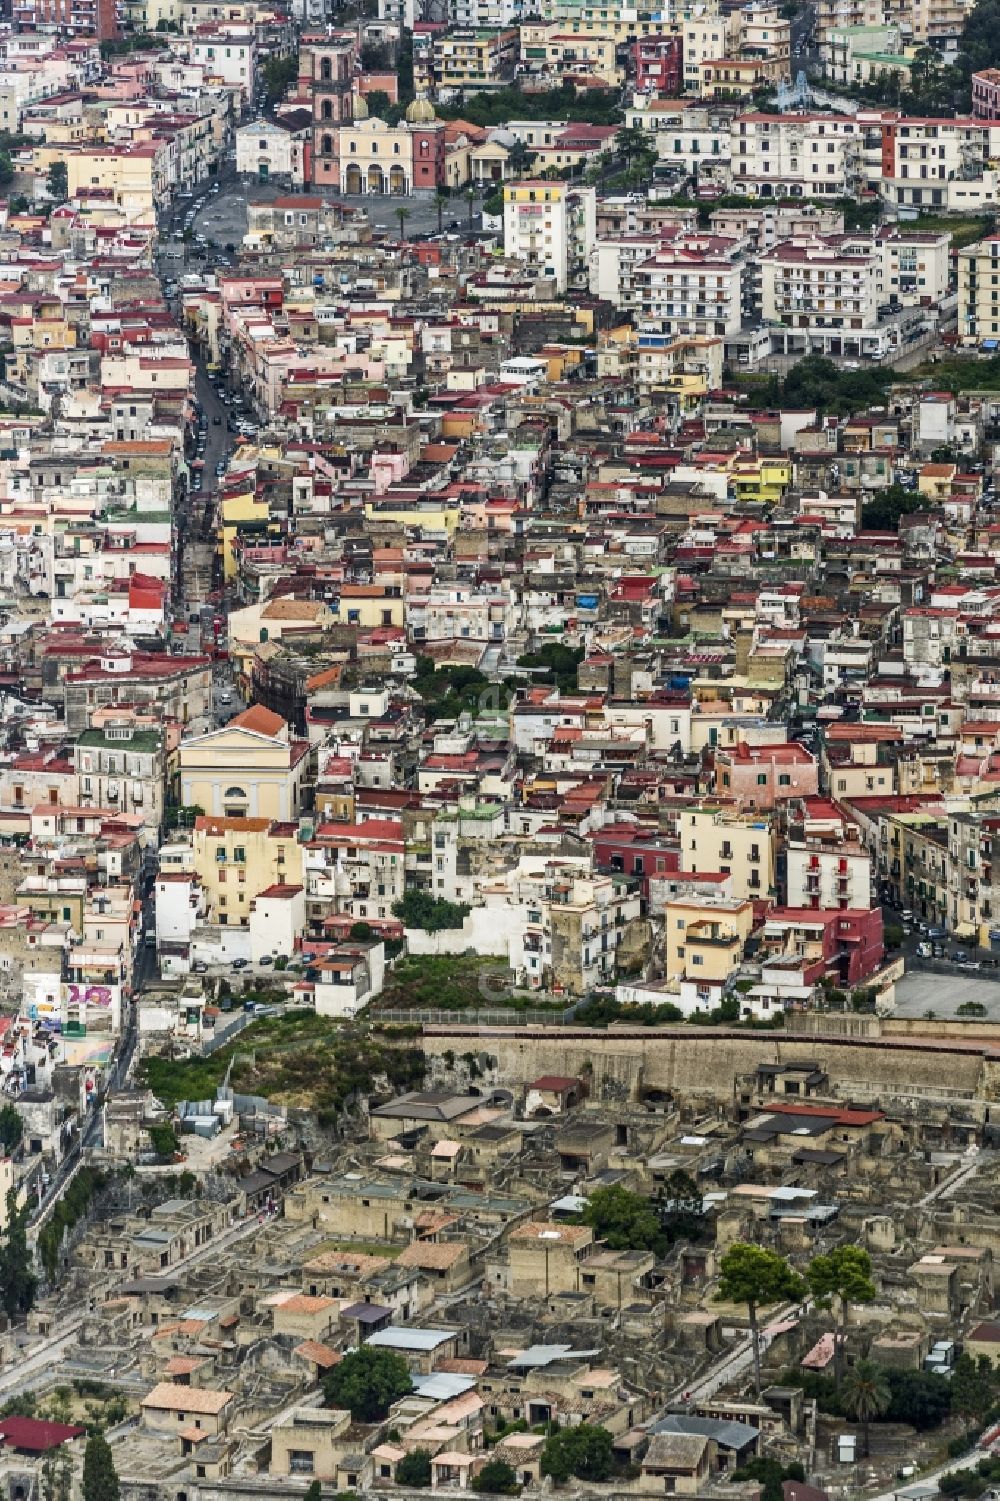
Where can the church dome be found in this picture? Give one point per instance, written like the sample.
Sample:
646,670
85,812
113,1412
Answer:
421,111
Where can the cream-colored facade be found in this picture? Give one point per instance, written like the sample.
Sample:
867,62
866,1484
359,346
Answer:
137,177
704,939
237,858
717,840
250,768
979,290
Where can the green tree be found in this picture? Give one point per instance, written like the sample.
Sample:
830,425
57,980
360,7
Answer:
866,1396
584,1451
418,909
681,1208
59,1406
757,1277
624,1220
884,513
57,1476
404,66
519,158
11,1128
378,103
100,1478
314,1492
440,199
279,74
367,1382
972,1388
57,182
18,1283
402,214
6,168
163,1138
498,1478
845,1274
414,1468
920,1398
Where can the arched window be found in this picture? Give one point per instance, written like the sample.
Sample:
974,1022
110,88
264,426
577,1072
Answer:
327,145
236,792
327,111
325,70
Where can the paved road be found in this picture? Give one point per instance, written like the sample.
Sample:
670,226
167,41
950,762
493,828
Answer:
967,1462
737,1361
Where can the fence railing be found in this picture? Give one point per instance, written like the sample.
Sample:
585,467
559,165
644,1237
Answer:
500,1016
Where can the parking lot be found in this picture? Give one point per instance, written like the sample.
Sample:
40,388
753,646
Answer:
920,991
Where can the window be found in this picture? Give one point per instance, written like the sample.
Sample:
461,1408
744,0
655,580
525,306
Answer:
762,779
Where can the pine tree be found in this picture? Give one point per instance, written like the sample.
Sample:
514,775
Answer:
100,1478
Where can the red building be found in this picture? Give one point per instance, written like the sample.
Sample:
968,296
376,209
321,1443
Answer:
849,942
658,62
81,18
633,851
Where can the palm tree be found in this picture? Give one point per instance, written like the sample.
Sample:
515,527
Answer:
402,214
440,199
866,1395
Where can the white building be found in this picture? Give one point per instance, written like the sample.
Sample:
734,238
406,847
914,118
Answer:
683,292
551,228
277,919
266,149
708,37
795,156
828,873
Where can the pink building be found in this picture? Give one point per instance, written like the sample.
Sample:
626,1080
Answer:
986,94
762,777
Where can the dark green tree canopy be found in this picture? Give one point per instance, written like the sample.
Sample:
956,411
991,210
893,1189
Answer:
497,1478
585,1451
414,1468
100,1478
367,1382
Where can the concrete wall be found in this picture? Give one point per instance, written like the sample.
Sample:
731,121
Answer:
696,1060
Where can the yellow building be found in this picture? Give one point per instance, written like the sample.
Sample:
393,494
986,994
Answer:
551,46
429,515
762,479
249,768
137,177
370,605
244,510
475,57
705,938
713,839
978,268
237,858
935,480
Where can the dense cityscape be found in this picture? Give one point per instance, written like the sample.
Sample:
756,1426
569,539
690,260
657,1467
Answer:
499,750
